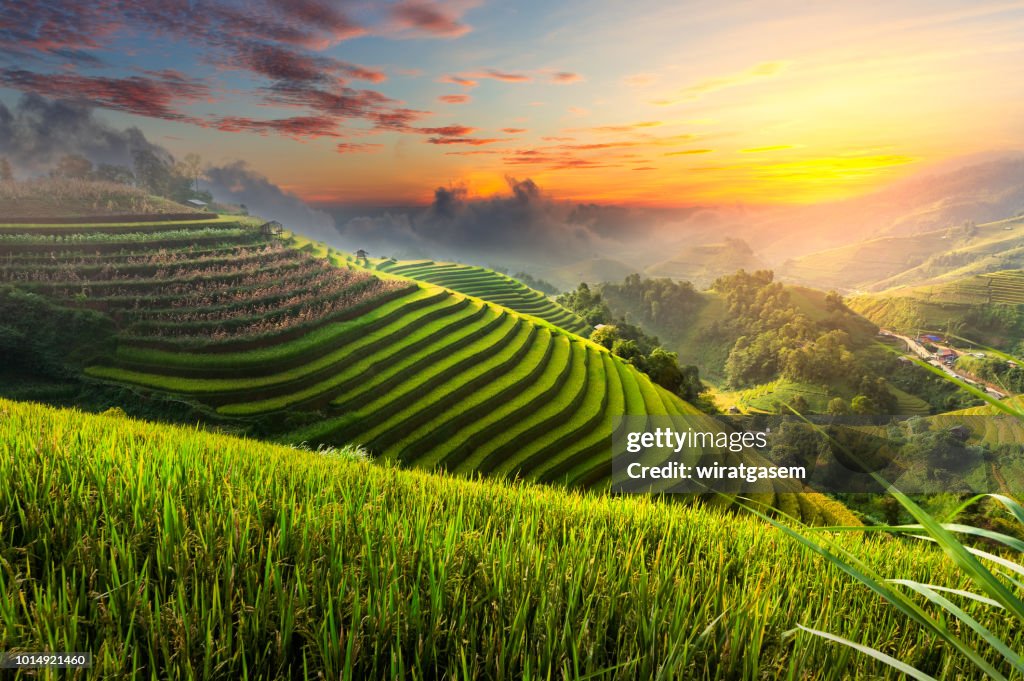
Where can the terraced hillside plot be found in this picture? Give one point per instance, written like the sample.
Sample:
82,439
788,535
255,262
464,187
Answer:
436,379
984,306
284,339
1005,287
489,285
209,282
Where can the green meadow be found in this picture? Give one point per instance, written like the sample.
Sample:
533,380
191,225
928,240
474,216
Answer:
170,552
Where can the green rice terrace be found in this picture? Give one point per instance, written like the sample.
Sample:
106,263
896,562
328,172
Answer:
301,345
493,286
1005,287
173,553
988,305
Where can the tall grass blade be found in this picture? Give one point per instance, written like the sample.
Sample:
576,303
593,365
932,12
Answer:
867,650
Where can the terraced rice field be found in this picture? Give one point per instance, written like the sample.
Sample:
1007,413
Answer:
489,285
433,379
206,283
908,404
298,344
1006,287
254,333
766,397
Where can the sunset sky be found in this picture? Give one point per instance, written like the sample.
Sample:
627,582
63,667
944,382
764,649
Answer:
657,103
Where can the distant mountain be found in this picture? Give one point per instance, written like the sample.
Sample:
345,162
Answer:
927,257
702,264
592,270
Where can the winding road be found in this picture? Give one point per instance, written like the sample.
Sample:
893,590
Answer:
913,345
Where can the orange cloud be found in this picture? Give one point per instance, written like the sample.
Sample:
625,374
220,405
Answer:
459,80
504,76
473,79
355,147
474,141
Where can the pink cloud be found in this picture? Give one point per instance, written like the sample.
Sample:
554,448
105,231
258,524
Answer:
156,96
430,18
566,77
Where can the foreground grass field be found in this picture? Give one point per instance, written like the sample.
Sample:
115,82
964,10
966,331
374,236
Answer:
170,553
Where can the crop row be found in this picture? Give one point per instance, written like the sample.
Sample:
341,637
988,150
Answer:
378,356
136,300
94,236
276,322
159,269
83,256
442,385
195,319
235,301
489,285
141,226
192,282
250,364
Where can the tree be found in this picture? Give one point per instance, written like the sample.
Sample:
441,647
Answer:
834,302
663,368
862,404
73,167
799,404
113,173
587,304
6,174
605,336
837,406
629,351
151,172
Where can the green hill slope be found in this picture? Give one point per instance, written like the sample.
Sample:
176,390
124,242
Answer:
173,553
489,285
985,307
300,345
222,323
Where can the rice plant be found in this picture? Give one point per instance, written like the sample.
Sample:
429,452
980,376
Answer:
994,581
173,553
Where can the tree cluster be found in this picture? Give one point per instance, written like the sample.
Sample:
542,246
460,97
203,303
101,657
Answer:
774,338
175,180
662,303
536,283
632,344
